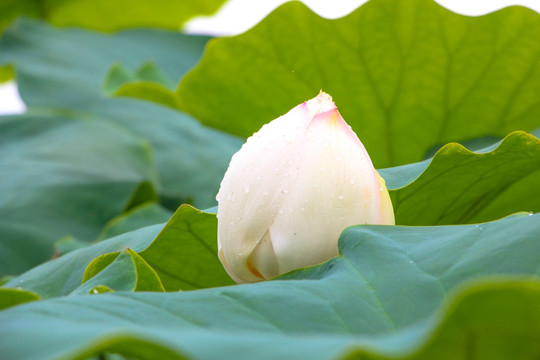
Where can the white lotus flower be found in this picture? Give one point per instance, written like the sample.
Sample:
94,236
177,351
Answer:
291,190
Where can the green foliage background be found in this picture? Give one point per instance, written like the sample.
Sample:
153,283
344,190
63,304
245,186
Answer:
129,130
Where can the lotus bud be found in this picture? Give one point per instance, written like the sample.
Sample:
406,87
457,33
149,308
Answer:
291,190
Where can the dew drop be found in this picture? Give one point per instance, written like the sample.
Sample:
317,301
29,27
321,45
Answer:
351,181
325,144
302,209
280,211
340,197
265,193
246,189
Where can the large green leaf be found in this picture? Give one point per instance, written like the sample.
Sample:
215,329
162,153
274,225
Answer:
459,186
379,299
406,74
183,253
63,176
61,71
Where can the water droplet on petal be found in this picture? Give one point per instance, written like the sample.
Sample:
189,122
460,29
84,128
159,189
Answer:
351,181
280,211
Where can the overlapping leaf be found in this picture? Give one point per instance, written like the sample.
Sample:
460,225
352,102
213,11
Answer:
378,299
188,242
183,253
459,186
11,297
120,271
406,75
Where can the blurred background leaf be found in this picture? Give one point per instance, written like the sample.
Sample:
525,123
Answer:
63,175
104,15
191,159
186,160
406,75
109,15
